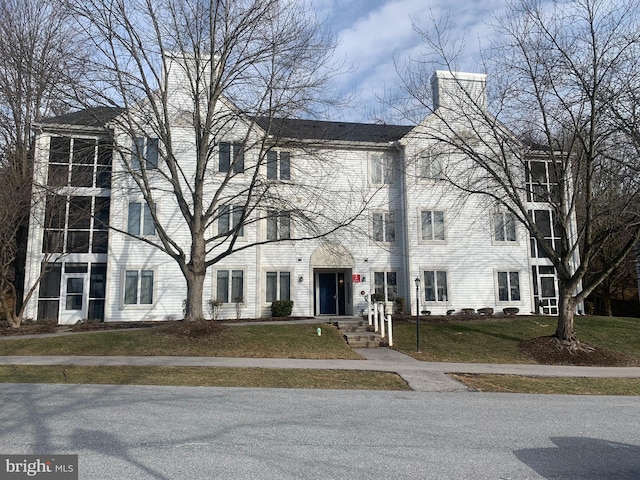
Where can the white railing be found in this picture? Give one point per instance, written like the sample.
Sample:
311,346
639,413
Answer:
377,319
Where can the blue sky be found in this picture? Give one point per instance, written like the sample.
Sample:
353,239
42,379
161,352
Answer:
372,32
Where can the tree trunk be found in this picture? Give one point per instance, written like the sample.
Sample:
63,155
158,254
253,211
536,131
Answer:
195,291
564,331
196,272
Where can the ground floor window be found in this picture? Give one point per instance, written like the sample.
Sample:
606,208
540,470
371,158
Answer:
49,291
435,286
230,286
508,286
278,286
138,287
386,285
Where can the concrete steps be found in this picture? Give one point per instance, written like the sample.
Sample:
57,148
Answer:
358,334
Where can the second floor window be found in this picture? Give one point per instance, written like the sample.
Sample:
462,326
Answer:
144,153
381,169
383,226
504,227
278,225
76,224
432,225
140,220
231,157
230,218
278,165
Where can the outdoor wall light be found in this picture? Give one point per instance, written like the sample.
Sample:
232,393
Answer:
300,279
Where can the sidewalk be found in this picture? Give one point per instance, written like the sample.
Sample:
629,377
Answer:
420,376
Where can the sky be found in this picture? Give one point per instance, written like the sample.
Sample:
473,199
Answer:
374,32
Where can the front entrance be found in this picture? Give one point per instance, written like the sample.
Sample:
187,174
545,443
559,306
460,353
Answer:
331,293
74,298
544,290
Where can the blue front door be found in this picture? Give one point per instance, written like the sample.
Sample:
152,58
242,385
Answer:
328,291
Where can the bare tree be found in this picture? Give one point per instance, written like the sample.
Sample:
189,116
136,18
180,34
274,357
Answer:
40,58
555,129
212,81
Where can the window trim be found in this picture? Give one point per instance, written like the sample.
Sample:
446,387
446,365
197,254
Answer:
496,277
276,216
432,158
432,240
386,285
278,271
230,270
503,223
388,217
423,286
123,283
235,149
144,207
279,164
138,158
230,214
387,169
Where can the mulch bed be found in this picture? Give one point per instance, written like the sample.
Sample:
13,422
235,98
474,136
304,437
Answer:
549,351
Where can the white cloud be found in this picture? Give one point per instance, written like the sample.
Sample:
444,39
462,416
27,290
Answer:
372,32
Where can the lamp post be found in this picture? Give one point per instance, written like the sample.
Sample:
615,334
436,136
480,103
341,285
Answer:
417,314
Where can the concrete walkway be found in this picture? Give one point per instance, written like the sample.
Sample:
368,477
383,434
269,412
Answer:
420,376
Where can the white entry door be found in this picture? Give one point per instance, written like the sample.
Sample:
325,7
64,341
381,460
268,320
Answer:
75,287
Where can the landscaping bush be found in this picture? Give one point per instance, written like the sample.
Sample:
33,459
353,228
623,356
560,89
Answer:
400,305
281,308
511,311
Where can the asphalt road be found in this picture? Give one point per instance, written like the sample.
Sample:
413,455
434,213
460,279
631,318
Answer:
133,432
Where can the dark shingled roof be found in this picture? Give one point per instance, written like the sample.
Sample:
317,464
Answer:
280,127
89,117
337,131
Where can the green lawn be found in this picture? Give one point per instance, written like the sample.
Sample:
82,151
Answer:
551,385
203,376
257,341
496,340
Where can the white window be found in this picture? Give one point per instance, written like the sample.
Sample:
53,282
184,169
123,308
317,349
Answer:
381,169
278,165
386,285
383,227
508,286
144,152
138,287
504,227
230,220
278,286
430,166
435,286
140,220
231,156
278,225
432,225
230,286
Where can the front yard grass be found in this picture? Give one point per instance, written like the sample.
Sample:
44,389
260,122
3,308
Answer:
255,341
551,385
203,376
489,340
